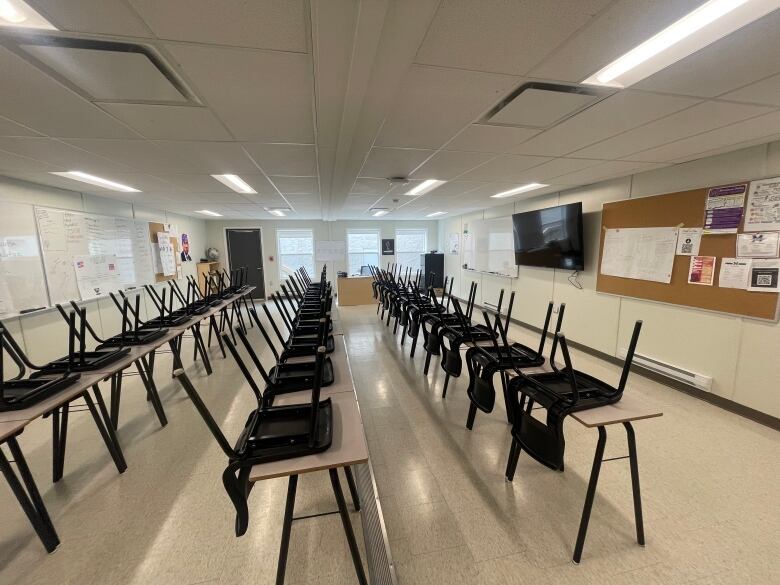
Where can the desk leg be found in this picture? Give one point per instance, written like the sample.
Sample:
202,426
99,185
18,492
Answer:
640,527
590,495
201,348
292,487
213,327
116,397
30,500
145,373
352,488
345,521
103,423
59,420
177,363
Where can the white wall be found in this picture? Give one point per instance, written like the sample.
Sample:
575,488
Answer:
322,230
740,354
43,334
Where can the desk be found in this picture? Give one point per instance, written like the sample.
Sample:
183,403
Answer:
355,290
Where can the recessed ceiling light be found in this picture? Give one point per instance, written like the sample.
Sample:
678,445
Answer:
16,13
234,182
436,214
278,211
379,212
425,186
100,182
711,21
207,212
521,189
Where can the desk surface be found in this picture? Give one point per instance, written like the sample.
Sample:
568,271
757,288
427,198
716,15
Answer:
630,408
10,428
348,446
342,377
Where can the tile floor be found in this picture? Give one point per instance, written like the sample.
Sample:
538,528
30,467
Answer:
709,481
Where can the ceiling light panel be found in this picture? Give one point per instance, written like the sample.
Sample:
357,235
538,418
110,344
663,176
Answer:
518,190
425,187
207,212
235,183
699,28
436,214
99,181
18,14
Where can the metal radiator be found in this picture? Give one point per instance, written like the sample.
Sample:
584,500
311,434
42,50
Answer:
379,560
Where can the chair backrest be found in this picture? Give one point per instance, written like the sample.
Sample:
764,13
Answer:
630,355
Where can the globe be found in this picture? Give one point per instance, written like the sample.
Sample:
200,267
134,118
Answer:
212,254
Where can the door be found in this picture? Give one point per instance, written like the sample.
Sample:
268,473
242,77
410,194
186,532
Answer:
246,250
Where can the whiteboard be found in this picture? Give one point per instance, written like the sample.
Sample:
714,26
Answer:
489,246
640,253
66,236
330,250
22,282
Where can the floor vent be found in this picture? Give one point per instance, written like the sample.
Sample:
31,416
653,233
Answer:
379,560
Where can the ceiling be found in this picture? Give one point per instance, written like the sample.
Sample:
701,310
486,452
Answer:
316,103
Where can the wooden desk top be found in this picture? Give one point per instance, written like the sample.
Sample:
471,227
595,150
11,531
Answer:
348,446
10,428
630,408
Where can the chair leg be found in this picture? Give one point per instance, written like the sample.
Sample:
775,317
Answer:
427,363
472,415
347,524
446,383
511,464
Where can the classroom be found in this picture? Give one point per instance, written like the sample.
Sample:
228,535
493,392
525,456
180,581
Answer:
389,292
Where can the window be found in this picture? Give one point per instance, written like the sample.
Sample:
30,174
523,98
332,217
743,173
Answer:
362,249
409,244
296,249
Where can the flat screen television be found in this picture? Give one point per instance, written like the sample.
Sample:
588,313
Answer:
550,238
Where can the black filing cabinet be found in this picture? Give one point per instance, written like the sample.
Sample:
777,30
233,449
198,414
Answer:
433,263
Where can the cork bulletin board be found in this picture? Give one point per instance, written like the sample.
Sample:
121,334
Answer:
686,208
154,229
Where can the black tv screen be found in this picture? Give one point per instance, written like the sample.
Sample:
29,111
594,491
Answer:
550,238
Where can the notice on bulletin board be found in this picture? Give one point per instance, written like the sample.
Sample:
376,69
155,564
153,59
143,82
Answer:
734,273
763,206
640,253
702,270
723,213
688,241
758,245
97,275
167,257
764,276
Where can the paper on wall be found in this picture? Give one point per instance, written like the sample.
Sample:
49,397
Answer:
763,206
764,275
723,212
702,270
167,257
97,275
758,245
734,273
640,253
689,241
454,244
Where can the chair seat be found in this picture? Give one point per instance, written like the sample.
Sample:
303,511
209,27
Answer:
19,394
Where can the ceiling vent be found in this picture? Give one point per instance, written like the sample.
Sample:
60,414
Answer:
106,71
542,105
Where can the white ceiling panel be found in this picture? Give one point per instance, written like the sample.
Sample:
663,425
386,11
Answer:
486,138
265,24
62,156
11,128
433,104
195,199
39,102
501,36
743,57
619,28
141,155
448,164
111,17
147,184
261,96
371,186
762,127
10,162
284,159
700,118
453,188
505,168
606,170
169,122
393,162
213,158
617,113
766,91
208,184
296,185
557,167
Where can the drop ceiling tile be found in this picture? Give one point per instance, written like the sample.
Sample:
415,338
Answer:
40,103
433,104
284,159
615,31
448,164
486,138
10,162
501,36
454,188
371,186
194,199
738,59
766,92
213,158
169,122
141,155
607,170
265,24
762,128
557,167
617,113
192,183
504,168
296,185
111,17
63,156
700,118
276,109
11,128
393,162
542,108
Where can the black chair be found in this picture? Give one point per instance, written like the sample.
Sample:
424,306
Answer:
559,393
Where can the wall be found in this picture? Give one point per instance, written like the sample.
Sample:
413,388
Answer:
322,230
43,334
739,353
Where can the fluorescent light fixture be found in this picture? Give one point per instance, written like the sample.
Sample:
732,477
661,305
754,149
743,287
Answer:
207,212
277,212
710,22
16,13
436,214
425,186
521,189
100,182
234,182
379,212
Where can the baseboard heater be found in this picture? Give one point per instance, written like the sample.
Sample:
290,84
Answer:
680,374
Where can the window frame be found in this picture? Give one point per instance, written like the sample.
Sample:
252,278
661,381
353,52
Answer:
359,231
398,251
303,232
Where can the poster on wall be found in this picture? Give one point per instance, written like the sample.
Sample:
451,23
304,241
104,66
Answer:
167,258
185,248
763,206
453,244
388,247
723,212
96,275
758,245
702,270
764,276
688,241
